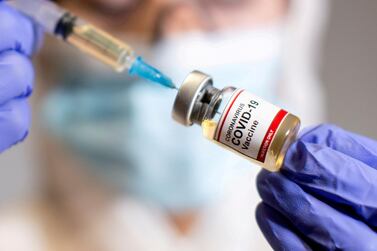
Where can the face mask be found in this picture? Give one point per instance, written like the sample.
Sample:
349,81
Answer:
248,59
124,127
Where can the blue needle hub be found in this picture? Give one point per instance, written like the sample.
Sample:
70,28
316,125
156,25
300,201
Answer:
146,71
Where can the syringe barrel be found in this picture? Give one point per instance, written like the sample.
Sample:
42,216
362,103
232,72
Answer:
78,33
101,46
44,12
89,39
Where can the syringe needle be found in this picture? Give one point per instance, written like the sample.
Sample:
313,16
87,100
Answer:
89,39
144,70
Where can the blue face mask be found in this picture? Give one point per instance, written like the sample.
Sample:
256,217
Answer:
123,127
250,59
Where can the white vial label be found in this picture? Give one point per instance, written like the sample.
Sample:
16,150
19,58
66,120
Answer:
248,125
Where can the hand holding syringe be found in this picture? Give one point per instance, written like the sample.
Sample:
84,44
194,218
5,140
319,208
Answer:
89,39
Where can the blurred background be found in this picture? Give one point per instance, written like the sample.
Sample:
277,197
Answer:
349,65
347,71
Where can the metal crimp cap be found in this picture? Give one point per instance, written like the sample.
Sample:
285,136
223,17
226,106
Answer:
188,94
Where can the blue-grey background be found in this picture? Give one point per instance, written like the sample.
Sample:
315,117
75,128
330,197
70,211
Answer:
349,69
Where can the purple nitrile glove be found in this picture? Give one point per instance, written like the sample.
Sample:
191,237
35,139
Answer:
18,39
325,197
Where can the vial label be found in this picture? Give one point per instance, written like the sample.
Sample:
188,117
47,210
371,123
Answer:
248,124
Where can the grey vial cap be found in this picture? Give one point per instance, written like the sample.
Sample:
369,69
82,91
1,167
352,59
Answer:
185,108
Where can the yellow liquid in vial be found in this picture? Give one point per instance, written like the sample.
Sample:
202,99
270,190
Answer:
284,137
209,129
102,46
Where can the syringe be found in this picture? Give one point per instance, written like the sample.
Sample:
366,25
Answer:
89,39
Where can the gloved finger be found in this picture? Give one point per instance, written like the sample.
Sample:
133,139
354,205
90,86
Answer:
319,222
14,122
278,230
351,144
338,179
18,31
16,76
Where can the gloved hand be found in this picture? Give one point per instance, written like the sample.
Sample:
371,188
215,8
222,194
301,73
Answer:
325,197
18,39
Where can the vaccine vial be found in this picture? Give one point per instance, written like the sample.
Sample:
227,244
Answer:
236,120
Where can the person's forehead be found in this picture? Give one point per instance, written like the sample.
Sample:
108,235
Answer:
123,2
116,1
150,16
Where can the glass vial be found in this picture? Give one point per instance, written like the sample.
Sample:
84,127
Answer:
237,120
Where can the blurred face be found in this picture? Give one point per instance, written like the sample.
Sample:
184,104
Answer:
111,124
154,19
